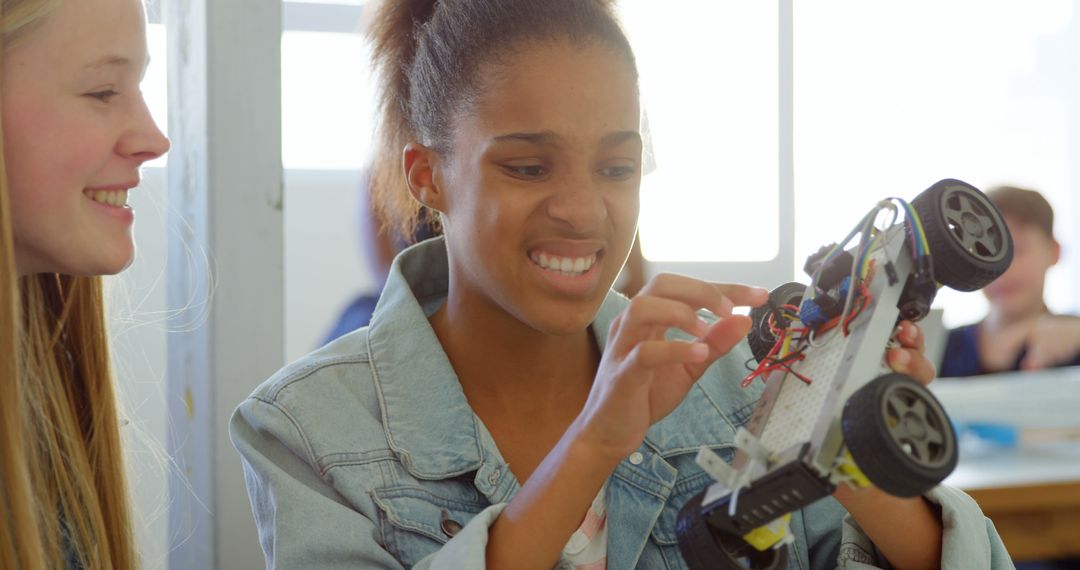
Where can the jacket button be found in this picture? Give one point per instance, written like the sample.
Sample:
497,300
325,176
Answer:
493,477
449,526
636,458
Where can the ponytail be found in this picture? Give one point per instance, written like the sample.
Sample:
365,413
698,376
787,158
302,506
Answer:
392,36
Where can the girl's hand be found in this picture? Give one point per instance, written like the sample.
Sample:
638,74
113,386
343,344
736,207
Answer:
643,375
916,543
910,358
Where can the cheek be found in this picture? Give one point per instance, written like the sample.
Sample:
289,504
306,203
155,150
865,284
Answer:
48,141
623,208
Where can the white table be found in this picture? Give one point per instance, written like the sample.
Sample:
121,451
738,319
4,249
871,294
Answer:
1031,492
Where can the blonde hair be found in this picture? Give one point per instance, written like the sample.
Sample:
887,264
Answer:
64,495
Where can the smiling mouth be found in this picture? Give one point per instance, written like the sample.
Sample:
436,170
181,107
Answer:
113,198
563,265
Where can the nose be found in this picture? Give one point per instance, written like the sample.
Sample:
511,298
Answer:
144,141
577,203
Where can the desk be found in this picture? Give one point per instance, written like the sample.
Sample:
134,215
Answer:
1032,492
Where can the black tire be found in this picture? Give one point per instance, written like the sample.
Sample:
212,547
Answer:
705,548
969,242
899,435
762,339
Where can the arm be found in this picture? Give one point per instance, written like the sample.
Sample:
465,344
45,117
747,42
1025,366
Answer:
642,377
1053,341
918,542
304,522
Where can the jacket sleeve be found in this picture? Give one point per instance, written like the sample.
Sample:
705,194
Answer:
969,540
304,522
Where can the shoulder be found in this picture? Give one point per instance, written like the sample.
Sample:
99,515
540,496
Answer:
963,334
326,398
961,355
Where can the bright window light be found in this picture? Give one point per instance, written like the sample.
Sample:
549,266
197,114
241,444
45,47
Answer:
327,99
709,86
155,83
925,90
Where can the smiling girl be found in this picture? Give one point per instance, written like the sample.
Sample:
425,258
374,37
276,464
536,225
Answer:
75,131
505,408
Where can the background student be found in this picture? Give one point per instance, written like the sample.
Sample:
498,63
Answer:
1019,332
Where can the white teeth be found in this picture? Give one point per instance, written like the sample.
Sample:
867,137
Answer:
114,198
565,265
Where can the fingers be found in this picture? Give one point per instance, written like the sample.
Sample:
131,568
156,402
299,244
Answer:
910,358
716,297
656,353
743,295
649,316
913,363
1036,358
723,335
910,336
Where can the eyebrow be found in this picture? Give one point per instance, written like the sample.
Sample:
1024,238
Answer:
542,137
109,61
548,137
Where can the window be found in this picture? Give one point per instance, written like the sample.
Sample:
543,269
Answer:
916,92
709,86
327,100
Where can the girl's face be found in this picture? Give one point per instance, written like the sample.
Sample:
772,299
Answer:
76,129
1019,291
540,190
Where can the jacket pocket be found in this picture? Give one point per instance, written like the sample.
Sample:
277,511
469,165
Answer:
416,522
691,481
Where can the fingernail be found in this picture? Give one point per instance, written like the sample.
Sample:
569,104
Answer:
760,291
700,351
702,328
902,358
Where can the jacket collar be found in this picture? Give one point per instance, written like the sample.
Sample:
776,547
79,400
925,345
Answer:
427,418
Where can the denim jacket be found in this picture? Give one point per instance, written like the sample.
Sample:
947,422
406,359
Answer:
366,454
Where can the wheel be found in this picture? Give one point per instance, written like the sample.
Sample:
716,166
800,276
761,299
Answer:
899,435
704,547
762,339
969,242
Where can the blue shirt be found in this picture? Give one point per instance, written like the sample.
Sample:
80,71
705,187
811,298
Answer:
366,454
961,356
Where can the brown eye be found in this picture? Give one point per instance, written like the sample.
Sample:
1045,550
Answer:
526,171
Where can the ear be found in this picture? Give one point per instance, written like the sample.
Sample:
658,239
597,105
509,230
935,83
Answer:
420,164
1055,253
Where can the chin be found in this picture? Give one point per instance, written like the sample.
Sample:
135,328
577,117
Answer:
108,266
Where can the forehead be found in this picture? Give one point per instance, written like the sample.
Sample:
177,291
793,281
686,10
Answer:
1024,231
569,88
79,33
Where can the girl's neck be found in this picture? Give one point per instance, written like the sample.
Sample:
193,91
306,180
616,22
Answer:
499,358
